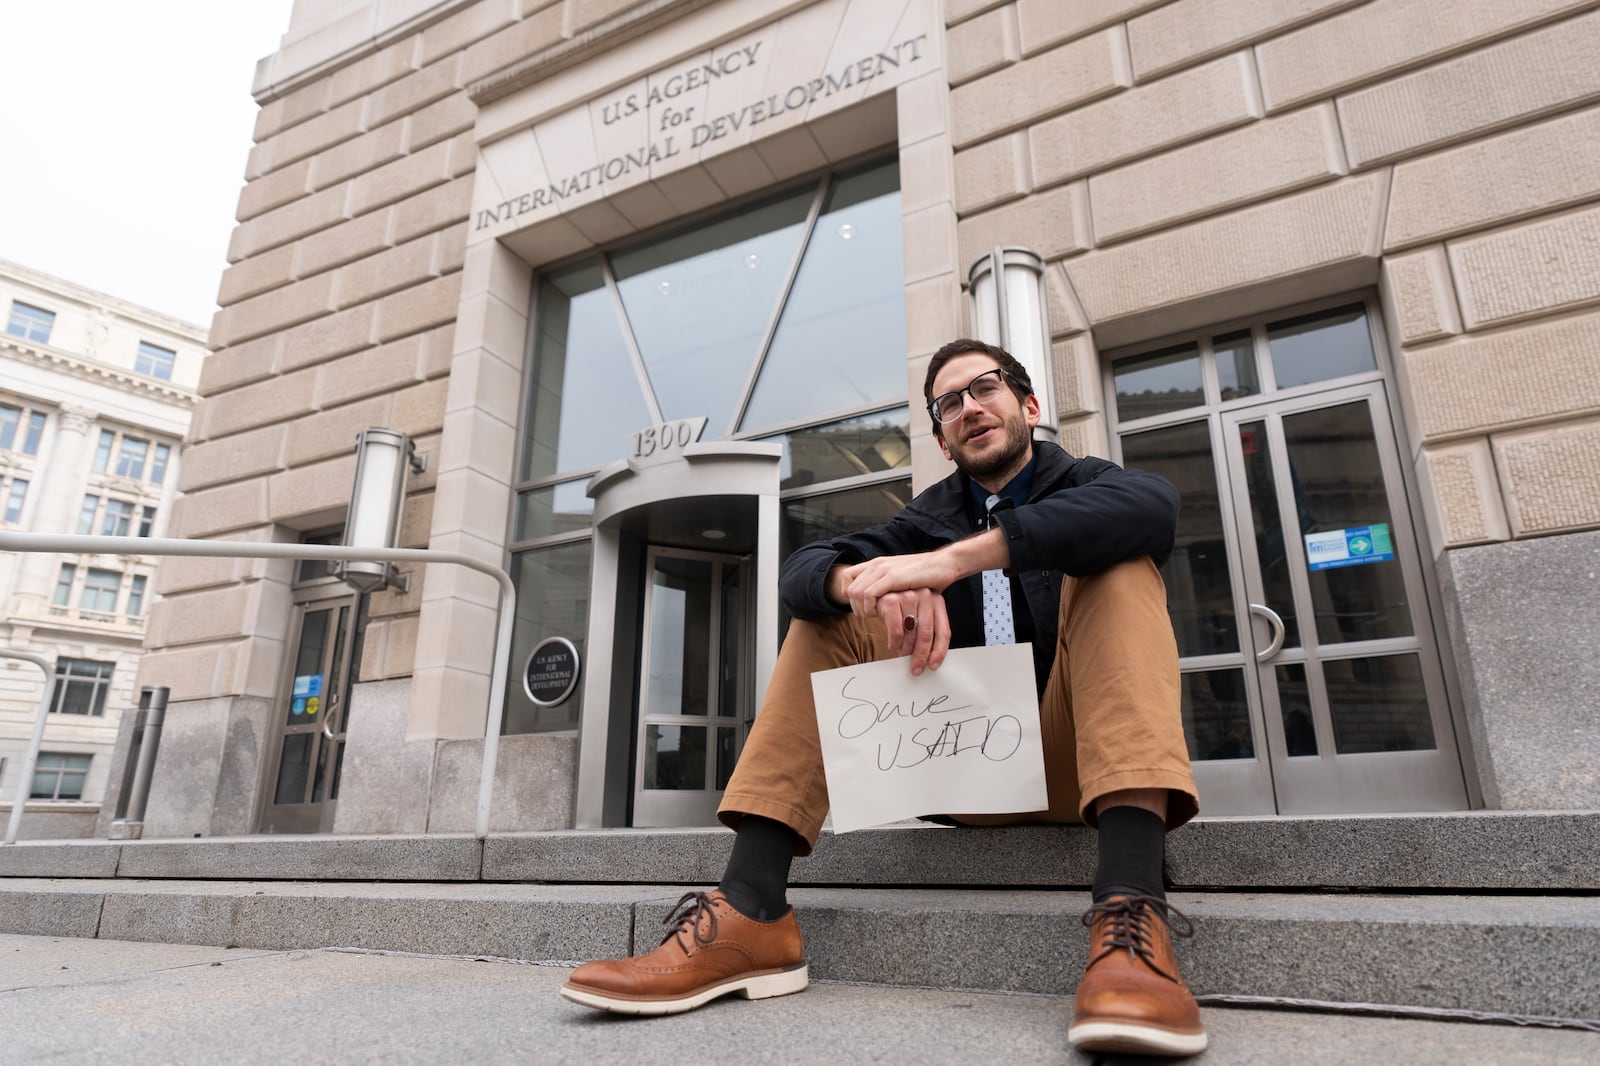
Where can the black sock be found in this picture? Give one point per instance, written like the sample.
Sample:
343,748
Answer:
1133,843
757,879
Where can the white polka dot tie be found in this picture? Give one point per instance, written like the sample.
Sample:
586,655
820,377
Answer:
998,627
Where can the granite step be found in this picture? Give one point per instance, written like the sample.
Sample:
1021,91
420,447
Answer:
1482,851
1535,956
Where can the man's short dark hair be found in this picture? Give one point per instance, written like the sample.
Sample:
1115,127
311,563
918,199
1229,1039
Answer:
1016,374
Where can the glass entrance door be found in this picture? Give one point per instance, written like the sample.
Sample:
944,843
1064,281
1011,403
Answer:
303,785
1311,680
695,693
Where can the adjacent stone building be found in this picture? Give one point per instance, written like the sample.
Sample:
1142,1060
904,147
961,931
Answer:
654,285
95,398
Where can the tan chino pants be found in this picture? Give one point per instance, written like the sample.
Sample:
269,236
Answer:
1109,715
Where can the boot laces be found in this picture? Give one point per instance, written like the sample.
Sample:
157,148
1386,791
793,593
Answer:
1128,926
685,918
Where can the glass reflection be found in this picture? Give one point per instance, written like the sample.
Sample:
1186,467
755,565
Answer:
294,769
1378,704
581,368
1158,382
1236,365
553,509
818,517
308,660
699,303
727,755
552,601
1338,485
1199,593
1320,346
853,446
675,757
841,342
1294,699
1216,715
729,687
680,638
1264,517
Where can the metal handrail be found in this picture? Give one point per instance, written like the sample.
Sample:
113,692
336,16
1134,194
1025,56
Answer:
31,759
238,549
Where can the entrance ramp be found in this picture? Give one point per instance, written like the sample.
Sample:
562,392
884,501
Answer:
1487,913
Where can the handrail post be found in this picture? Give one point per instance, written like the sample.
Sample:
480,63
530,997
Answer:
31,759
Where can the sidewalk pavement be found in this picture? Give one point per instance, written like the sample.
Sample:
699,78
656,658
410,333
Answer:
95,1001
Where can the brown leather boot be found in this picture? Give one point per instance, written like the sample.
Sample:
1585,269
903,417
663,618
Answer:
1131,998
712,950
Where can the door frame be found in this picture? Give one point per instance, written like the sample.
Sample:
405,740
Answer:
311,817
691,807
1236,798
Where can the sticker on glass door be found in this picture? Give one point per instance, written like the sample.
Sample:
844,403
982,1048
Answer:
1349,547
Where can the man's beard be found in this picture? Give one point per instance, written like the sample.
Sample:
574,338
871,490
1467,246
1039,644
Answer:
1018,441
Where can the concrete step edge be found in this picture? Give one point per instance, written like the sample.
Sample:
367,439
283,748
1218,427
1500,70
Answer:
1467,851
1535,956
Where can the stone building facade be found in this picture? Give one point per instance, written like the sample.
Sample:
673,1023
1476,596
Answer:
654,284
95,398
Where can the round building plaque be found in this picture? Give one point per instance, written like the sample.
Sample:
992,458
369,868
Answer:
552,671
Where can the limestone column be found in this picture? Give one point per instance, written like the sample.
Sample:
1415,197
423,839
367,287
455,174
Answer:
59,501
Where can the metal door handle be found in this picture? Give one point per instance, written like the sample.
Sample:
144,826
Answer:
1277,630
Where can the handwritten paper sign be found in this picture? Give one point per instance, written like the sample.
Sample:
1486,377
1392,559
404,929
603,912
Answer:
962,739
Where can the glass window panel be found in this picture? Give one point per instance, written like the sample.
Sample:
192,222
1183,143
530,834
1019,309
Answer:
158,465
308,659
29,322
81,686
699,303
100,589
294,769
841,342
1338,485
552,601
1199,592
818,517
91,507
102,451
147,521
30,443
1269,543
730,687
1236,365
553,509
675,757
118,519
727,755
680,638
1317,347
58,776
154,361
130,460
63,594
1294,699
854,446
1158,382
583,397
1378,704
16,496
10,419
136,596
1216,715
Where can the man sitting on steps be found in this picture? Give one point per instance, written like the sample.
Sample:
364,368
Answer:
1023,543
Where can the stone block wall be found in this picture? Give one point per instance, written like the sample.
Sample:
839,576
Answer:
1185,161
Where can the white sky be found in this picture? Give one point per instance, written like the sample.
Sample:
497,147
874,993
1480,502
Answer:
126,126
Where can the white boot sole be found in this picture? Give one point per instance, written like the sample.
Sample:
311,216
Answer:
1134,1039
756,986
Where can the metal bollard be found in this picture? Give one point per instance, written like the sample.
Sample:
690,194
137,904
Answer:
153,709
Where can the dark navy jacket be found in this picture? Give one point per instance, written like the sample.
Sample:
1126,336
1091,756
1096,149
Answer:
1082,517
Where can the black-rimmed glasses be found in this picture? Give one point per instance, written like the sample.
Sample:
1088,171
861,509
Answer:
984,388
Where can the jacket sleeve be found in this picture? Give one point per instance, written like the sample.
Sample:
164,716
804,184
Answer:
803,581
1104,515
